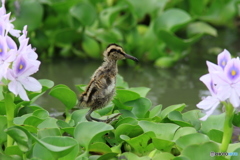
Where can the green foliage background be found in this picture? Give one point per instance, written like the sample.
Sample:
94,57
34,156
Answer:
152,30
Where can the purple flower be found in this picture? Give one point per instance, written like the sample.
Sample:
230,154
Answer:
223,82
19,76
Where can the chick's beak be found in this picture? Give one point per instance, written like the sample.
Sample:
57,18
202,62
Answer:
131,57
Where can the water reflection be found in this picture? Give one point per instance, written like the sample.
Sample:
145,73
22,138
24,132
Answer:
168,86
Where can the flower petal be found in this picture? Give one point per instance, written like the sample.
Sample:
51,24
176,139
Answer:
234,99
210,112
223,58
31,84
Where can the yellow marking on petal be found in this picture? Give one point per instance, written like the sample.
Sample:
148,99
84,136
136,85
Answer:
233,72
21,66
0,49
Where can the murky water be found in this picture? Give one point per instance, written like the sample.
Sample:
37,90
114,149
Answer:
179,84
168,86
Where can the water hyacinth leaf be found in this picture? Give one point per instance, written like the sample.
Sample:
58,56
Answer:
156,110
144,7
106,110
56,147
120,83
84,12
162,144
193,118
177,118
127,129
141,144
142,91
65,95
108,156
48,123
163,155
175,43
46,132
235,154
184,131
79,115
172,20
3,126
130,155
46,84
232,147
127,120
166,111
99,148
200,151
213,122
200,28
81,87
162,130
126,95
62,6
66,37
140,106
33,121
41,113
236,119
13,150
91,47
108,15
190,139
20,137
84,137
215,135
31,7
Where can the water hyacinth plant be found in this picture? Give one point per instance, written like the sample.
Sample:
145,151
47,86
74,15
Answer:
223,82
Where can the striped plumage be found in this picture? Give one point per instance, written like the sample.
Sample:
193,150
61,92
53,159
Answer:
101,88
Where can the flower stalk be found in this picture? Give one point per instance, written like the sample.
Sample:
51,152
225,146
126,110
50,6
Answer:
228,127
10,107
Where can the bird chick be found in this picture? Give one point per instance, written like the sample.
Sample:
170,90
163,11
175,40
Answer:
101,87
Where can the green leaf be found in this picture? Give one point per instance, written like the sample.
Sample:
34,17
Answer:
65,95
30,7
20,137
155,111
126,95
84,12
132,156
166,111
236,119
91,47
193,118
215,135
127,129
120,83
175,43
213,122
172,19
177,118
190,139
162,130
46,132
200,151
99,148
200,28
184,131
142,91
162,144
140,107
85,132
63,148
108,15
141,144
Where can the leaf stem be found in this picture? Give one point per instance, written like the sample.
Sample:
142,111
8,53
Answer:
228,127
